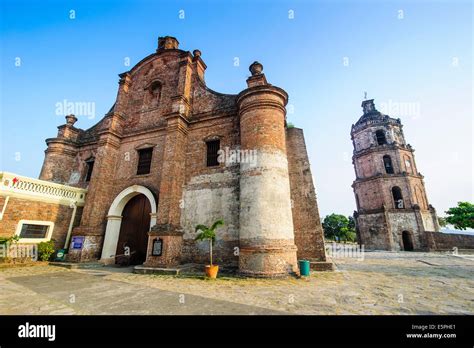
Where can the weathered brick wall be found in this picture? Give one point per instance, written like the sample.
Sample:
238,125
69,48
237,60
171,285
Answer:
448,241
373,231
383,230
405,221
365,138
377,191
211,193
57,167
23,209
427,219
372,164
143,109
2,202
369,194
79,167
309,237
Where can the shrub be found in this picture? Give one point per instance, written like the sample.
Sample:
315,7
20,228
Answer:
12,239
45,250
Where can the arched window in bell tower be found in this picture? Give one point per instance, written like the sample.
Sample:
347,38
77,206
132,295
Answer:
397,197
380,135
387,162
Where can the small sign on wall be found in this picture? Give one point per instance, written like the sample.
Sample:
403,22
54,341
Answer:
77,242
157,247
60,255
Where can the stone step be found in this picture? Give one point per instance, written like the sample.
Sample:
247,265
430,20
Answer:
158,270
321,266
77,265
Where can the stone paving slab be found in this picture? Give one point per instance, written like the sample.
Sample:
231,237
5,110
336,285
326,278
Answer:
87,292
381,283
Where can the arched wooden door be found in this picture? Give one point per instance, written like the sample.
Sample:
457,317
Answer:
134,231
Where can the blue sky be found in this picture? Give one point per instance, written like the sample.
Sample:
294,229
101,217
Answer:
411,55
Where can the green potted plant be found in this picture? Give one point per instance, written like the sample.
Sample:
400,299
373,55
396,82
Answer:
210,235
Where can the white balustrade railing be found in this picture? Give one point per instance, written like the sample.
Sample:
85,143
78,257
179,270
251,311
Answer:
17,185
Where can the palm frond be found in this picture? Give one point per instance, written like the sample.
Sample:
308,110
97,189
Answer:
207,234
201,227
200,236
216,224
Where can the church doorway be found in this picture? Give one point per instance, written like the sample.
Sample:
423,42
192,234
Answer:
134,208
407,241
133,237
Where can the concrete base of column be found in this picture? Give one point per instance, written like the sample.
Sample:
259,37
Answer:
268,261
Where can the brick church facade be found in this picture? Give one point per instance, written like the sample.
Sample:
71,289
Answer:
172,153
393,212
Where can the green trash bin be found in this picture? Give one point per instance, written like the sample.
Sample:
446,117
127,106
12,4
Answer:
304,267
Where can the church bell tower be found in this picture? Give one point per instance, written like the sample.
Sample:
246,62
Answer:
392,206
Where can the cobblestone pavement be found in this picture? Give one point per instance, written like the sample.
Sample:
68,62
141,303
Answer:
381,283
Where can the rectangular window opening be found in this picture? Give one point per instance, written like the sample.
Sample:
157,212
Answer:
144,161
212,153
34,231
90,168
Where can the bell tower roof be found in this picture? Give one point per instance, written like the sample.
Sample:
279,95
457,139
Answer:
370,112
368,106
371,115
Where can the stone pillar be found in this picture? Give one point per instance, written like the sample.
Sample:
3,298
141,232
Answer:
171,188
59,156
101,187
100,191
199,66
434,217
171,246
174,159
267,246
109,247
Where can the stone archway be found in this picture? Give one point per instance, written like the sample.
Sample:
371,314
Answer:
114,219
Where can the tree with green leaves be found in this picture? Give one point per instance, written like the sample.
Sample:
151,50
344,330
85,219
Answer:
209,233
352,224
339,227
462,216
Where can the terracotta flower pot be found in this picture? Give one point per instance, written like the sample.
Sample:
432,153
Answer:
211,271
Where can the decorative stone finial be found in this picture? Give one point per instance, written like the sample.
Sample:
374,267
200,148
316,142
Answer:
256,68
71,119
167,43
197,53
